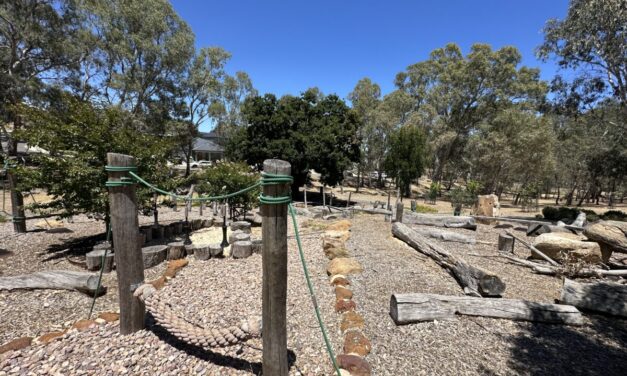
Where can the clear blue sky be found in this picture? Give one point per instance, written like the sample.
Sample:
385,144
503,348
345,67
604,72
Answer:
288,46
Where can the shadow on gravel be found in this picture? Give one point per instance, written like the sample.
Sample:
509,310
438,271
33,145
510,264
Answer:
210,356
73,247
542,349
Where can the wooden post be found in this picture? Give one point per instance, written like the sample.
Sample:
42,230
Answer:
389,207
274,261
506,243
349,199
202,204
305,194
128,255
331,198
173,198
324,198
399,212
155,208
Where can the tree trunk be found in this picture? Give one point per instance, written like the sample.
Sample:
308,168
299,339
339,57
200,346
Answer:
188,157
605,297
440,220
17,199
57,280
410,308
475,281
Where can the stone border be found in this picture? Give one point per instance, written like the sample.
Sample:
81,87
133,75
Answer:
356,345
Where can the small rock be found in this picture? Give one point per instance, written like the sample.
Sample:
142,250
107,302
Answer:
84,324
342,293
351,320
343,225
344,265
49,337
354,364
344,306
16,344
356,343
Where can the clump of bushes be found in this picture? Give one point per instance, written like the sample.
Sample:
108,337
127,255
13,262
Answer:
569,214
2,219
425,209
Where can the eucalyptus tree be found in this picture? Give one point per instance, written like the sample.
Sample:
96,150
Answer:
365,98
459,92
39,45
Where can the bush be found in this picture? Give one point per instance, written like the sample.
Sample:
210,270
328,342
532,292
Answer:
425,209
227,177
557,214
3,219
614,215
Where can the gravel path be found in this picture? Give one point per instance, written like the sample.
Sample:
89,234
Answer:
470,346
213,293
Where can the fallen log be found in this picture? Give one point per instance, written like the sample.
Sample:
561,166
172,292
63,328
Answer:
559,271
526,221
372,210
611,236
475,281
57,280
411,308
533,249
446,236
440,220
538,229
604,297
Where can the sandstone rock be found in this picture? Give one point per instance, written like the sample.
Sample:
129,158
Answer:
337,234
344,265
343,225
82,325
354,364
342,306
351,320
174,266
343,293
109,316
16,344
559,247
339,280
356,343
334,248
49,337
158,283
611,235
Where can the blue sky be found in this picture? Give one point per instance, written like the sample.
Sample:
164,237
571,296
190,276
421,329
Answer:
288,46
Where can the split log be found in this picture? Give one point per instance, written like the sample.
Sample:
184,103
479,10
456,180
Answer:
475,281
410,308
176,250
536,229
440,220
154,255
202,252
93,260
527,221
533,249
242,249
257,245
446,236
57,280
216,250
604,297
241,225
559,271
506,243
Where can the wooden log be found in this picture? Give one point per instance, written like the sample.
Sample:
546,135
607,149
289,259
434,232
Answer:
525,221
612,235
399,211
176,250
411,308
189,249
559,271
372,210
93,260
241,225
604,297
506,243
475,281
128,257
447,236
242,249
53,279
257,245
158,232
202,251
216,250
348,202
274,266
440,220
533,249
207,222
536,229
154,255
196,224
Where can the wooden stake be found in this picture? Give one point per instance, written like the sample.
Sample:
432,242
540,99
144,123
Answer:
305,194
324,199
274,261
349,199
399,212
155,208
389,207
128,256
533,249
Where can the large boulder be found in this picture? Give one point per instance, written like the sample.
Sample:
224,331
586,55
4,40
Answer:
611,235
562,246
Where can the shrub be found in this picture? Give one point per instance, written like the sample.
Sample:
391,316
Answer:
3,219
227,177
425,209
614,215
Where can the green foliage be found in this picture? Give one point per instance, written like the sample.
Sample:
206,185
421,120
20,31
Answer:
405,159
78,138
569,214
312,131
3,219
434,191
227,177
465,196
425,209
614,215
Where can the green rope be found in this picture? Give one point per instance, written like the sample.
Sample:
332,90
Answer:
311,291
102,264
275,179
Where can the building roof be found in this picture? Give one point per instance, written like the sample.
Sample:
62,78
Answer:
204,145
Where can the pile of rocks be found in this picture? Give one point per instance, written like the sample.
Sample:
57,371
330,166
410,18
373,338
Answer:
341,265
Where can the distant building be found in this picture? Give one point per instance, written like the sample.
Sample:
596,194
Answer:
208,146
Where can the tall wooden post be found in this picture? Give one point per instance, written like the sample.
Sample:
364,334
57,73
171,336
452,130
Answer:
399,212
155,208
389,207
305,194
274,233
349,199
324,197
128,256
